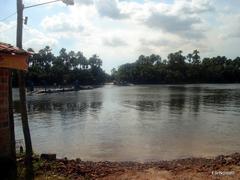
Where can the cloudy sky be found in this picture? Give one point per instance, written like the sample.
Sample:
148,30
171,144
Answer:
120,30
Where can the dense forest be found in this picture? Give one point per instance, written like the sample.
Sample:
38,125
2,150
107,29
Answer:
46,69
179,69
67,68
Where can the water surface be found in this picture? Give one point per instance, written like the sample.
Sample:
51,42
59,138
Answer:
136,123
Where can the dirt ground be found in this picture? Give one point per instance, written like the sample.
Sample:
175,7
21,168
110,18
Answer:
221,167
156,174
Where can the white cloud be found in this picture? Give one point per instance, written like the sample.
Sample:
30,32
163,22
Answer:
174,24
193,6
109,8
8,32
120,30
85,2
114,42
37,40
61,23
231,26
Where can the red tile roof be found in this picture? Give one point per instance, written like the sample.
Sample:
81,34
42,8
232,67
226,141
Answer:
9,49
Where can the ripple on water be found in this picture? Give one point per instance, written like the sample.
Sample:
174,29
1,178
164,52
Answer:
136,122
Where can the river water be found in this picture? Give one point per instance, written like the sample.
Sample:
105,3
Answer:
136,123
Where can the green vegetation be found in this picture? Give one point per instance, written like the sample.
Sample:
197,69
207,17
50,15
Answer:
179,69
46,69
69,68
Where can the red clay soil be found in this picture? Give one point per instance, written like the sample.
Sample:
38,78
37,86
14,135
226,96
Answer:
221,167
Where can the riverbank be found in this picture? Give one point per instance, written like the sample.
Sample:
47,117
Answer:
220,167
50,90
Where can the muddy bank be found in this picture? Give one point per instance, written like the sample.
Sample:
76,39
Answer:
191,168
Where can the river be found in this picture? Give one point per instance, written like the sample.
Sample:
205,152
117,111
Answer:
135,123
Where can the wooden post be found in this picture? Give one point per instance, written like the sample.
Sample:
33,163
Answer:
22,93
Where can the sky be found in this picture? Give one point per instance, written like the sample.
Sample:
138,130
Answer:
118,31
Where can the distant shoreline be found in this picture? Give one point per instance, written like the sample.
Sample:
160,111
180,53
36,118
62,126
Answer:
52,89
134,84
111,83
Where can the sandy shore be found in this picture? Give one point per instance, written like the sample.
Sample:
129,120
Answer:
220,167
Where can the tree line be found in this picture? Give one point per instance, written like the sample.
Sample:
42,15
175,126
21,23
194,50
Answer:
64,69
178,68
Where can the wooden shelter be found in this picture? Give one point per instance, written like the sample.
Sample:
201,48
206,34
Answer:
10,58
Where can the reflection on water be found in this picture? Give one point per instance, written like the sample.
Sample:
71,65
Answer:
138,123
